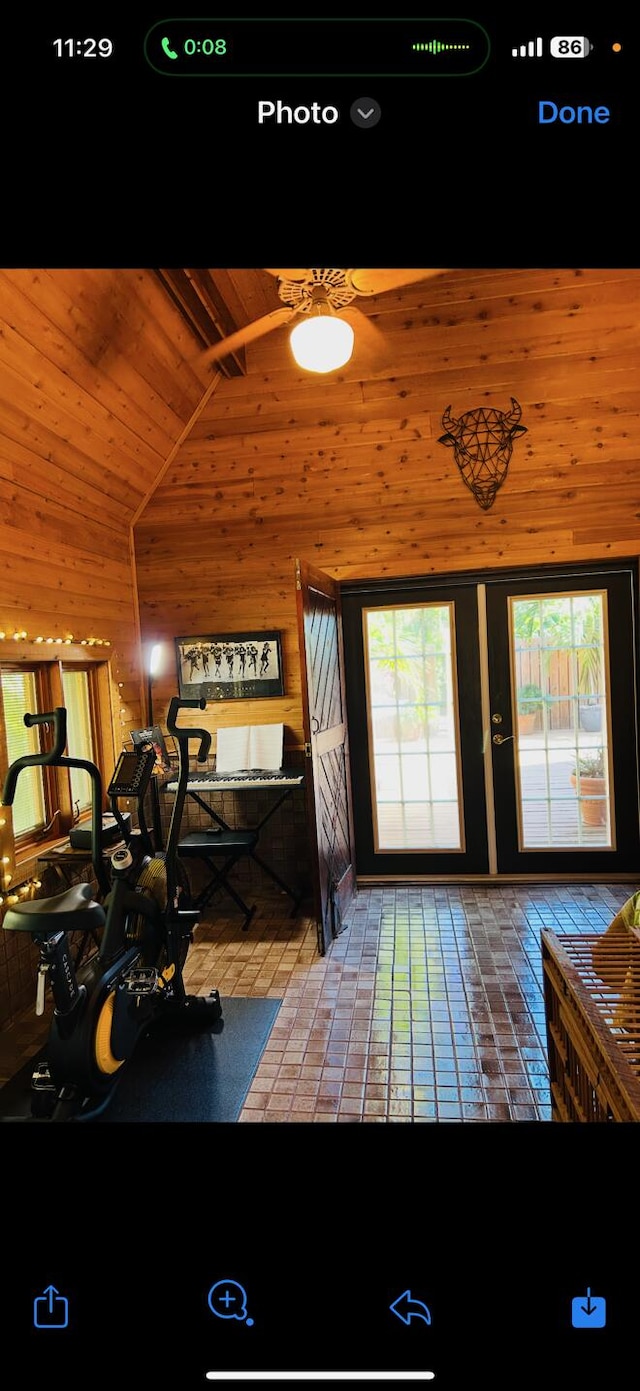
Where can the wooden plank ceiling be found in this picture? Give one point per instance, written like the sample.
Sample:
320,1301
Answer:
215,303
279,446
347,471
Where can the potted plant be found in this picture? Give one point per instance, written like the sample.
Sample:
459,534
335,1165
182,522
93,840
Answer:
591,782
529,703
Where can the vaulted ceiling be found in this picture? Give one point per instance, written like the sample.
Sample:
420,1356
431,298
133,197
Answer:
112,416
215,303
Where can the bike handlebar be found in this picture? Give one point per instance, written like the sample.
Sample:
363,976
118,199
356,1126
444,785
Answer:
58,718
185,734
55,756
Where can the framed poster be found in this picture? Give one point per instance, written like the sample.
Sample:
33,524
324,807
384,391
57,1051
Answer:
230,666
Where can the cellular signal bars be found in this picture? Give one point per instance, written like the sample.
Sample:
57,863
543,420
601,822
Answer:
532,49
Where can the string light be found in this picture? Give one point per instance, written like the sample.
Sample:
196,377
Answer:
29,887
21,635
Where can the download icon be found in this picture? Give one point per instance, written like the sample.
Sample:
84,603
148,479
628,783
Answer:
587,1311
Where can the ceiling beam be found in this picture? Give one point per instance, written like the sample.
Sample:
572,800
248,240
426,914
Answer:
205,313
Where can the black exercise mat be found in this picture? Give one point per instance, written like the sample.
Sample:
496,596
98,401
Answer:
183,1076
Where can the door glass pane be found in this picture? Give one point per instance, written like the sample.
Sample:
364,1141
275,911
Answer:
413,728
561,720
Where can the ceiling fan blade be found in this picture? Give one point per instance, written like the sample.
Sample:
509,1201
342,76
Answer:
371,349
300,275
245,335
376,282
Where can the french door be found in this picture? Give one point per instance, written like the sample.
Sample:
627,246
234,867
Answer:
327,747
494,724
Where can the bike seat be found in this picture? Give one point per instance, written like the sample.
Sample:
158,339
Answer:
72,911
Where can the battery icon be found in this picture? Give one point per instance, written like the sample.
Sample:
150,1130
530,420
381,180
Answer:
569,46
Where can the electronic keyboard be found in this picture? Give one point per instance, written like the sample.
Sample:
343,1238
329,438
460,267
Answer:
250,777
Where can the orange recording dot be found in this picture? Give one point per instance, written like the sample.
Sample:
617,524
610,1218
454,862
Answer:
617,47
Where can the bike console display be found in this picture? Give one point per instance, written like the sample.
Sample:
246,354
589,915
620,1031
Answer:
132,773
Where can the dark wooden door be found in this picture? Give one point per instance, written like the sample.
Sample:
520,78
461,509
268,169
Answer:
327,745
572,634
414,705
507,748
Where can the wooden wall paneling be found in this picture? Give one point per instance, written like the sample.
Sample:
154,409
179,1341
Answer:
134,341
90,380
348,471
53,436
85,408
71,476
108,417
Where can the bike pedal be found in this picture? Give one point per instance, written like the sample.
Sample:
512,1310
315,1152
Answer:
43,1092
142,980
41,1078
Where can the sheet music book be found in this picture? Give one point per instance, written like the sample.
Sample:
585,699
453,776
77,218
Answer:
153,735
249,746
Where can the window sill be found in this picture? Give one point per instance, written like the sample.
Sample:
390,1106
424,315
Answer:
26,865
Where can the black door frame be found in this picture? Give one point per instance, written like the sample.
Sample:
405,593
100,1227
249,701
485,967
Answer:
473,859
478,797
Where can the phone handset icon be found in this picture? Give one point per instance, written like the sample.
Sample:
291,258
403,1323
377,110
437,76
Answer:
166,48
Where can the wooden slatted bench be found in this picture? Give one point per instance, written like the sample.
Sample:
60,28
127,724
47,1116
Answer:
592,1007
592,993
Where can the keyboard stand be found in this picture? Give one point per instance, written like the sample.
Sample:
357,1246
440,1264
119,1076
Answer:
252,854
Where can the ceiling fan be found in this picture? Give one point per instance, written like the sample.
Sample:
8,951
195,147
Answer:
320,304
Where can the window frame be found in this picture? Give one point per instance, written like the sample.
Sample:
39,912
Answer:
18,855
93,692
35,834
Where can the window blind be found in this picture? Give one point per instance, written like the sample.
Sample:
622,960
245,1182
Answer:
75,685
20,696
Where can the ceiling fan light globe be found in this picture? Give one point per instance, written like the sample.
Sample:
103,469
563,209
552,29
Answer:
322,343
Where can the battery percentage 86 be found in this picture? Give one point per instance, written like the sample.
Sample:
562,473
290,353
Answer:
569,46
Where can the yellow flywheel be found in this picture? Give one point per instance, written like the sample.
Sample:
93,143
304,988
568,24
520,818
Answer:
104,1057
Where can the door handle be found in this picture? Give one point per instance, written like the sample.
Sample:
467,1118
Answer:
502,738
315,721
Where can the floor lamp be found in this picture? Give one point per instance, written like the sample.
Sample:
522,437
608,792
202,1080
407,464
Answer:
153,667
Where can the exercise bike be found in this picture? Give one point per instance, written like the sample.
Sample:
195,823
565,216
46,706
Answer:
144,925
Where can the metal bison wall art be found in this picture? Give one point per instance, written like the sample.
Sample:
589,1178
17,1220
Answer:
482,443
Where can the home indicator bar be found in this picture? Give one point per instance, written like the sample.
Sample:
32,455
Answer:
320,1376
317,47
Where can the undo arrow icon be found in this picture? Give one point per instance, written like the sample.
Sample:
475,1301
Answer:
406,1308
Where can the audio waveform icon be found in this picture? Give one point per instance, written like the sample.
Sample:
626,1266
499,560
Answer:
437,46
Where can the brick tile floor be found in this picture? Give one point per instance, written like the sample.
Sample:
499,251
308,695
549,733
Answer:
428,1007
